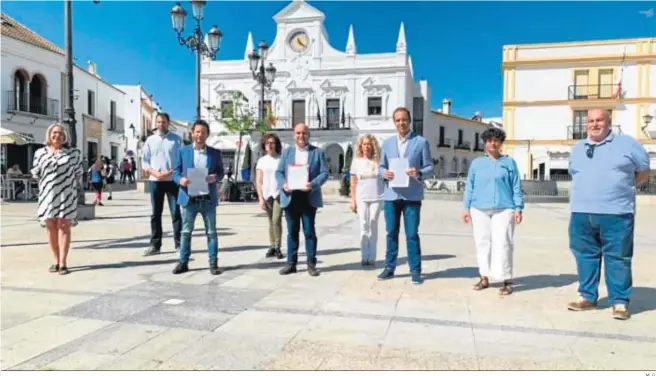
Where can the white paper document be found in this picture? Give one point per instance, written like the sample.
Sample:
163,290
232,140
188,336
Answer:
399,166
297,177
197,184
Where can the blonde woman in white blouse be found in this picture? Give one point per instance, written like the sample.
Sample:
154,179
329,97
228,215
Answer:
366,192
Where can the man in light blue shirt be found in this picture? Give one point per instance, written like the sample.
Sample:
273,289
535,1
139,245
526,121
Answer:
404,200
159,160
605,169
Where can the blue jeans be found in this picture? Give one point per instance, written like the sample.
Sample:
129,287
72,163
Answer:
208,211
608,236
410,211
300,211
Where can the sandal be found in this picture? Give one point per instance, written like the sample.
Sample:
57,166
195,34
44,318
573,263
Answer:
482,284
507,289
54,268
63,270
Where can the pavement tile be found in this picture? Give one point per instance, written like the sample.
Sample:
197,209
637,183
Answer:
110,313
229,351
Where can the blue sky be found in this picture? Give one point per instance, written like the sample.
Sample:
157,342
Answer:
456,46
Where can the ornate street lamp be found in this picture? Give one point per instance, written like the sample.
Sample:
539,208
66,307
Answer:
195,42
263,76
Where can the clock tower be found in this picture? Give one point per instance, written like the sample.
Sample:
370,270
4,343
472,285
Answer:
300,32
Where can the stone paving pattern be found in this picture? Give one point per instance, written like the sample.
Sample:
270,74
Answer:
118,310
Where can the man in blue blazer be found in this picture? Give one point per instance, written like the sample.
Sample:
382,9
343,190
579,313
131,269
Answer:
405,200
301,206
202,201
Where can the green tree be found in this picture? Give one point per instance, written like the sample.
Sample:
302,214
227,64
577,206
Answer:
239,119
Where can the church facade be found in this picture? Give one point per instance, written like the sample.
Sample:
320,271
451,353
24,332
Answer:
339,94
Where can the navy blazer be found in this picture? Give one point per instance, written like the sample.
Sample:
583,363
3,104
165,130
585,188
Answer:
418,154
318,174
185,160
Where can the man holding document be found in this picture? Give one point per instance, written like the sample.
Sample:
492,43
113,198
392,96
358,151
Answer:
301,173
405,159
198,169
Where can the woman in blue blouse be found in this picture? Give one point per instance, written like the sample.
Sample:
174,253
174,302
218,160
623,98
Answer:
493,203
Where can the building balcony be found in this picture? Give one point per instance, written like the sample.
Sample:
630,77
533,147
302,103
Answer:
478,147
314,123
594,92
463,145
580,132
21,102
116,124
445,143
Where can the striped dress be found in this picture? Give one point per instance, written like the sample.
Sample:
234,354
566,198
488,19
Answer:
57,173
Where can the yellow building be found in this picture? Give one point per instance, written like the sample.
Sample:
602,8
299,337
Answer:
548,88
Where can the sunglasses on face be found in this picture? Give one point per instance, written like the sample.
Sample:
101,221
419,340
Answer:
589,152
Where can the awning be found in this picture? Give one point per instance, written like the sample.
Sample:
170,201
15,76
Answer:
11,137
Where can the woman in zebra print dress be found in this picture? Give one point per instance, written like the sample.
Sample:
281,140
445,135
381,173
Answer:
57,169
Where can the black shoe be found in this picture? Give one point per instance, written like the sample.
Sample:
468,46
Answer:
271,252
214,267
386,274
312,271
279,254
288,269
150,251
109,198
182,267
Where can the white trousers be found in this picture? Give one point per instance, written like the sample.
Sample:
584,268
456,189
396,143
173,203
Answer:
368,211
493,234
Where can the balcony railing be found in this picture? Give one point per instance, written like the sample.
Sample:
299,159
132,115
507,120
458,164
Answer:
116,124
22,102
314,123
580,132
478,147
444,143
463,145
600,91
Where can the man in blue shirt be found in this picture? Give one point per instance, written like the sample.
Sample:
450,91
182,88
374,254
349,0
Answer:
605,169
159,154
404,200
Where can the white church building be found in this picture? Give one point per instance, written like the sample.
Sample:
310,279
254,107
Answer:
339,94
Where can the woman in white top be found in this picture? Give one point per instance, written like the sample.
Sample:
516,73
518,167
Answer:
268,190
366,192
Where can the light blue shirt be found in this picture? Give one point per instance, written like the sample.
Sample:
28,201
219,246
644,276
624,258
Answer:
160,151
493,184
605,182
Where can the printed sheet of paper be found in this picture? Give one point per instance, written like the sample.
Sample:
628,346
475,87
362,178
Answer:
197,184
398,166
297,177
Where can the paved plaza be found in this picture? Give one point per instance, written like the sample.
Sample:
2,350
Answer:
119,310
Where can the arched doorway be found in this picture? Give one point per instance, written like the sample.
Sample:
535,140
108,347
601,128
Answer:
454,165
334,158
464,167
19,96
38,97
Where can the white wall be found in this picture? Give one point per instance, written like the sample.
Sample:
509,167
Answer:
104,93
446,155
34,60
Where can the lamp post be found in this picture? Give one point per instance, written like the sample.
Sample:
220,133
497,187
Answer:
195,41
69,111
263,76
